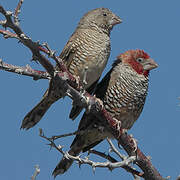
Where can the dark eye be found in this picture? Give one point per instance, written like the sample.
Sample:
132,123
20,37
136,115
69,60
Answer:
140,60
104,14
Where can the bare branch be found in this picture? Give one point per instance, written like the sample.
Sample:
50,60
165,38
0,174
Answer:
65,135
8,34
86,161
33,46
103,155
52,144
27,71
128,168
36,172
108,164
108,157
17,11
113,148
58,60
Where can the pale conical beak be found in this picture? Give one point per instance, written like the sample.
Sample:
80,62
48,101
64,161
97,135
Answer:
116,20
150,64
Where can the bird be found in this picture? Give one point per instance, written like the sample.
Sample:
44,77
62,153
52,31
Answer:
85,54
123,91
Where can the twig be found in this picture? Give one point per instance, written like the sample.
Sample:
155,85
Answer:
103,155
8,34
113,148
27,71
108,157
84,82
17,11
128,168
33,46
52,144
65,135
108,165
36,172
59,63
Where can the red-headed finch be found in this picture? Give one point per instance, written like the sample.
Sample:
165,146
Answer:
123,91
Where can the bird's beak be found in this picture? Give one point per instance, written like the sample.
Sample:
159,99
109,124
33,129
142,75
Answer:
115,20
150,64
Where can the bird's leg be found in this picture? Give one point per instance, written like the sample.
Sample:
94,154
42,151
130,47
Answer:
122,131
131,139
84,80
134,142
82,87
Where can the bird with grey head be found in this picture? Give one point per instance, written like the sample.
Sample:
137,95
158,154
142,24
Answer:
85,54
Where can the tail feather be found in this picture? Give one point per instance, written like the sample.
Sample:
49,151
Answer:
62,167
75,111
65,164
35,115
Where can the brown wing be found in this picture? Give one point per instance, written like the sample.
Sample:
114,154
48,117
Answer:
83,125
69,50
102,87
99,89
76,110
88,120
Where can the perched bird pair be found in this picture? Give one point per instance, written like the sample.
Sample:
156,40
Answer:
123,90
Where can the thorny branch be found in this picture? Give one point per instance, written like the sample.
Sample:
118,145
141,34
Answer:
127,167
113,148
8,34
109,165
70,87
36,172
136,174
27,71
17,11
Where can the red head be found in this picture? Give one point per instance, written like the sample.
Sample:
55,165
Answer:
138,60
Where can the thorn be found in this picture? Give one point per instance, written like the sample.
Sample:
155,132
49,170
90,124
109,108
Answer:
84,81
40,132
68,93
50,146
28,67
61,147
168,177
110,150
93,168
149,157
87,157
110,168
66,154
1,61
79,163
34,59
9,13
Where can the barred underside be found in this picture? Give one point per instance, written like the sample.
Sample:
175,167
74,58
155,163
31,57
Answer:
126,95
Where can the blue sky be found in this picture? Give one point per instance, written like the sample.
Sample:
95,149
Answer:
149,25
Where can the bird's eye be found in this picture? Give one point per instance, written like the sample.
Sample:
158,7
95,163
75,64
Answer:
140,60
104,14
